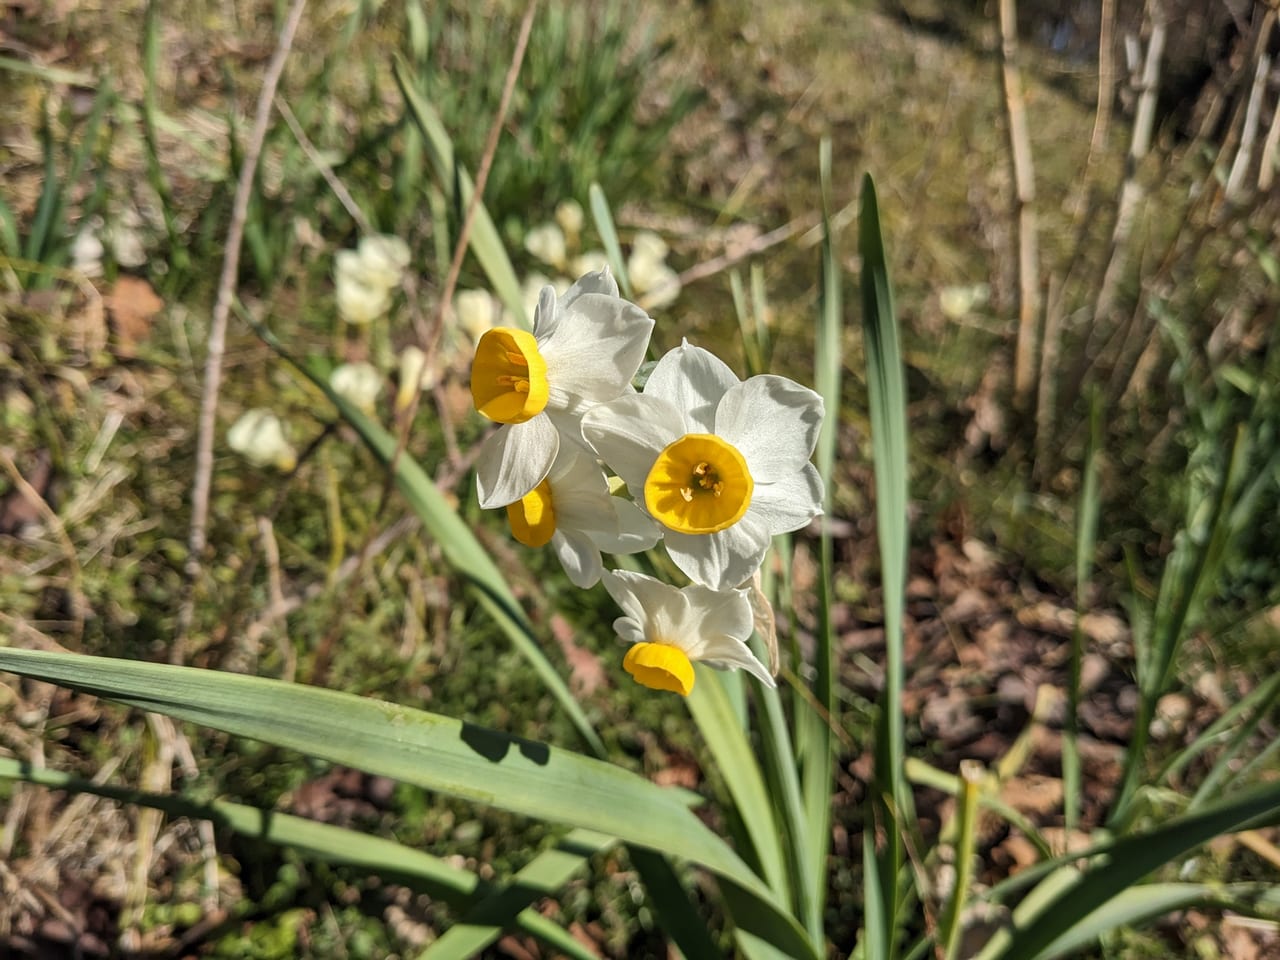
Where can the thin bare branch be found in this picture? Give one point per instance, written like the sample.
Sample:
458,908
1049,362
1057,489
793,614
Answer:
200,488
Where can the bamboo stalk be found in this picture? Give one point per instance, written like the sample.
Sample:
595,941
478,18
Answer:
1027,348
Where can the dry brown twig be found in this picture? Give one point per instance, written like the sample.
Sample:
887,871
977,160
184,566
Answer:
1027,347
202,483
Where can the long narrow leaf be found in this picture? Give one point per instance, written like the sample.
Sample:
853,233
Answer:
729,746
431,751
542,877
1141,904
886,394
1127,861
389,860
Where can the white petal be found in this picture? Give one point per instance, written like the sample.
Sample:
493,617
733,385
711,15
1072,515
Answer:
589,512
774,423
717,614
599,281
693,381
628,630
579,557
659,608
545,315
728,655
514,460
636,531
594,349
629,433
789,503
721,560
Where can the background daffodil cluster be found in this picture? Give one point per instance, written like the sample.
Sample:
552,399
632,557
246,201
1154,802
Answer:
714,467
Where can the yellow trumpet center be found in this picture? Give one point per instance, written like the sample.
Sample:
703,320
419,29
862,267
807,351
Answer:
699,484
660,666
533,516
509,376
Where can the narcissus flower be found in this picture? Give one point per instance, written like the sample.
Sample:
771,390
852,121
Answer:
723,465
670,630
358,383
585,347
258,436
572,510
365,278
414,376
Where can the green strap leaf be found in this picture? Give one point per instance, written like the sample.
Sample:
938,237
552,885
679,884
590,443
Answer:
887,402
1077,893
387,859
431,751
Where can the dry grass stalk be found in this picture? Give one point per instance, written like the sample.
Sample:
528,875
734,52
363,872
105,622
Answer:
1028,343
200,487
1132,191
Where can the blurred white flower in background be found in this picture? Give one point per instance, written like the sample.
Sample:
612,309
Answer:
959,301
413,363
366,277
547,243
258,436
590,261
570,218
654,283
476,311
358,383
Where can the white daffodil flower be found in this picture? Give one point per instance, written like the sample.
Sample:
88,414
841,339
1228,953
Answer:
654,283
413,376
365,278
590,262
572,510
258,436
358,383
570,217
722,464
547,243
362,297
475,312
385,257
671,629
585,347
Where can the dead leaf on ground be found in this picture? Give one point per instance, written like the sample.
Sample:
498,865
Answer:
586,674
133,304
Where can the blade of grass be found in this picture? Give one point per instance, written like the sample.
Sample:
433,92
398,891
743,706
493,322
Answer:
1086,542
886,395
1141,904
486,242
725,738
603,218
816,720
1188,574
972,775
1125,862
431,751
542,877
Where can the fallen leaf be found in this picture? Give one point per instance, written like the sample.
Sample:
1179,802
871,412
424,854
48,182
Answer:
132,303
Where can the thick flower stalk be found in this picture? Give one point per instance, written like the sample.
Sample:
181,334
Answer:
671,629
585,348
722,464
572,510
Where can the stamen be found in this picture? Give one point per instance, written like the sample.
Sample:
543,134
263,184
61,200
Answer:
519,359
687,494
